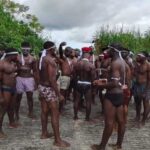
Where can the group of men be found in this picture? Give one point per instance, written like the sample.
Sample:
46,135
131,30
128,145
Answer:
114,75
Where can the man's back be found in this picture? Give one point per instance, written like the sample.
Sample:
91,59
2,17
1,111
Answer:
84,70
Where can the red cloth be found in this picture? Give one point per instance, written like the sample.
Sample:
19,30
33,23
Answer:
86,49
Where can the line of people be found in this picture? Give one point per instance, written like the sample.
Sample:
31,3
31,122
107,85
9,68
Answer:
114,75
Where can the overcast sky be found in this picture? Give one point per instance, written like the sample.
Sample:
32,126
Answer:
76,21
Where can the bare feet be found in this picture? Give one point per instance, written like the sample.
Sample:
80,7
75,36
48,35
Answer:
97,147
115,147
14,125
62,144
46,136
2,135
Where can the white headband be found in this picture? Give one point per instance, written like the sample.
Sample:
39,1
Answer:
142,55
27,48
51,47
9,53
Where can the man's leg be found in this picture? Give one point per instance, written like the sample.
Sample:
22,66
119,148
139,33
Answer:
30,104
44,119
76,104
101,100
109,115
17,105
88,99
121,126
62,103
146,110
55,124
3,109
10,110
138,101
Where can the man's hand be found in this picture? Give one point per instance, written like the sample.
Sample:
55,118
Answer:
63,44
100,82
124,87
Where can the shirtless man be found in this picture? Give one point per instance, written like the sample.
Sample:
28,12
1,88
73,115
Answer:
84,74
142,86
102,65
49,93
66,71
27,75
113,103
8,74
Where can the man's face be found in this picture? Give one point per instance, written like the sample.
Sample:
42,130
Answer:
140,59
26,51
124,54
14,57
53,51
68,52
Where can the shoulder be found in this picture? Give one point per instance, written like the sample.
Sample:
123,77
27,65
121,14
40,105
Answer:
2,65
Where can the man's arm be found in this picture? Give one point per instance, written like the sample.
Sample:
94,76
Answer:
61,49
52,77
148,76
35,71
1,76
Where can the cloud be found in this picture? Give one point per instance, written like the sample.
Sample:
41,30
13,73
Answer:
78,20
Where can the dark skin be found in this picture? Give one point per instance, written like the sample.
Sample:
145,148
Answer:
48,78
7,102
142,75
84,71
110,111
66,70
102,66
26,72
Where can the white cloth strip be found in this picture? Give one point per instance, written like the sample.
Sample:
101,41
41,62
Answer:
84,82
27,48
10,53
141,55
43,55
117,79
85,59
22,60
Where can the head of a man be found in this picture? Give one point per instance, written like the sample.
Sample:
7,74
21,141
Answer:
68,51
115,49
141,57
50,47
86,55
11,54
25,46
125,53
77,53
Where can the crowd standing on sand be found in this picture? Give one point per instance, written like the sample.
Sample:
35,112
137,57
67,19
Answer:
116,75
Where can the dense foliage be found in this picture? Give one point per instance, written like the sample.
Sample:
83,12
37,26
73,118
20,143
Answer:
131,39
14,31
